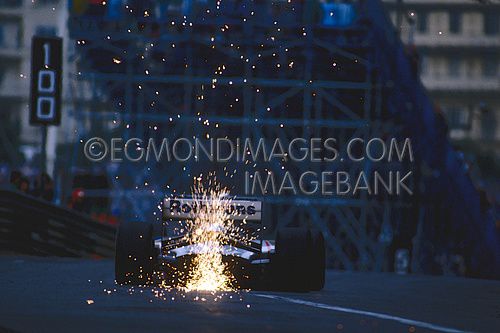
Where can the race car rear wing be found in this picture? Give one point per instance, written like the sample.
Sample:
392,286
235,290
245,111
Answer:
237,209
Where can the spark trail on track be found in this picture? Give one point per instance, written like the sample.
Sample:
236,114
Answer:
57,295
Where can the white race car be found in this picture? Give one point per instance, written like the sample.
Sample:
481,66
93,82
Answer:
294,260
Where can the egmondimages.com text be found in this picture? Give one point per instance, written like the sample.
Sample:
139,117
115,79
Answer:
329,181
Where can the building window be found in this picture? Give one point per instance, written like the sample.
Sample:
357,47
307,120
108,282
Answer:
455,22
422,23
2,74
393,16
11,3
2,36
438,67
46,2
46,30
490,66
424,65
489,121
491,23
454,64
458,117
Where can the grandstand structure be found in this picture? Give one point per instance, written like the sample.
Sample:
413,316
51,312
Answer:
275,69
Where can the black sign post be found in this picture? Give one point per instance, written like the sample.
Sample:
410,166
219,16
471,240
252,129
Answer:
46,80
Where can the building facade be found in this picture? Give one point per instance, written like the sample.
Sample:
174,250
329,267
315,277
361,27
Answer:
20,20
458,43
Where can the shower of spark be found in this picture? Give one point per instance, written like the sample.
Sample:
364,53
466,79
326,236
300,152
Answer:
210,230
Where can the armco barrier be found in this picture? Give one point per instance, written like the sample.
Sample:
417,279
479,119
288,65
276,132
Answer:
32,226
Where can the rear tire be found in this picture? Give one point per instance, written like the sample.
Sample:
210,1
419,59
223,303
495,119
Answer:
318,261
134,253
292,259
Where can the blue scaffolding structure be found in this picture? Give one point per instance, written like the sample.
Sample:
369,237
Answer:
278,69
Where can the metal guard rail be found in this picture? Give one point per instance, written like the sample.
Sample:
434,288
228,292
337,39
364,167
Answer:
32,226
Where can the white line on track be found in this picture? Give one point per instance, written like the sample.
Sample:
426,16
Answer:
384,316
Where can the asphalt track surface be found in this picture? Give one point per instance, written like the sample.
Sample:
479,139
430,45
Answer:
74,295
